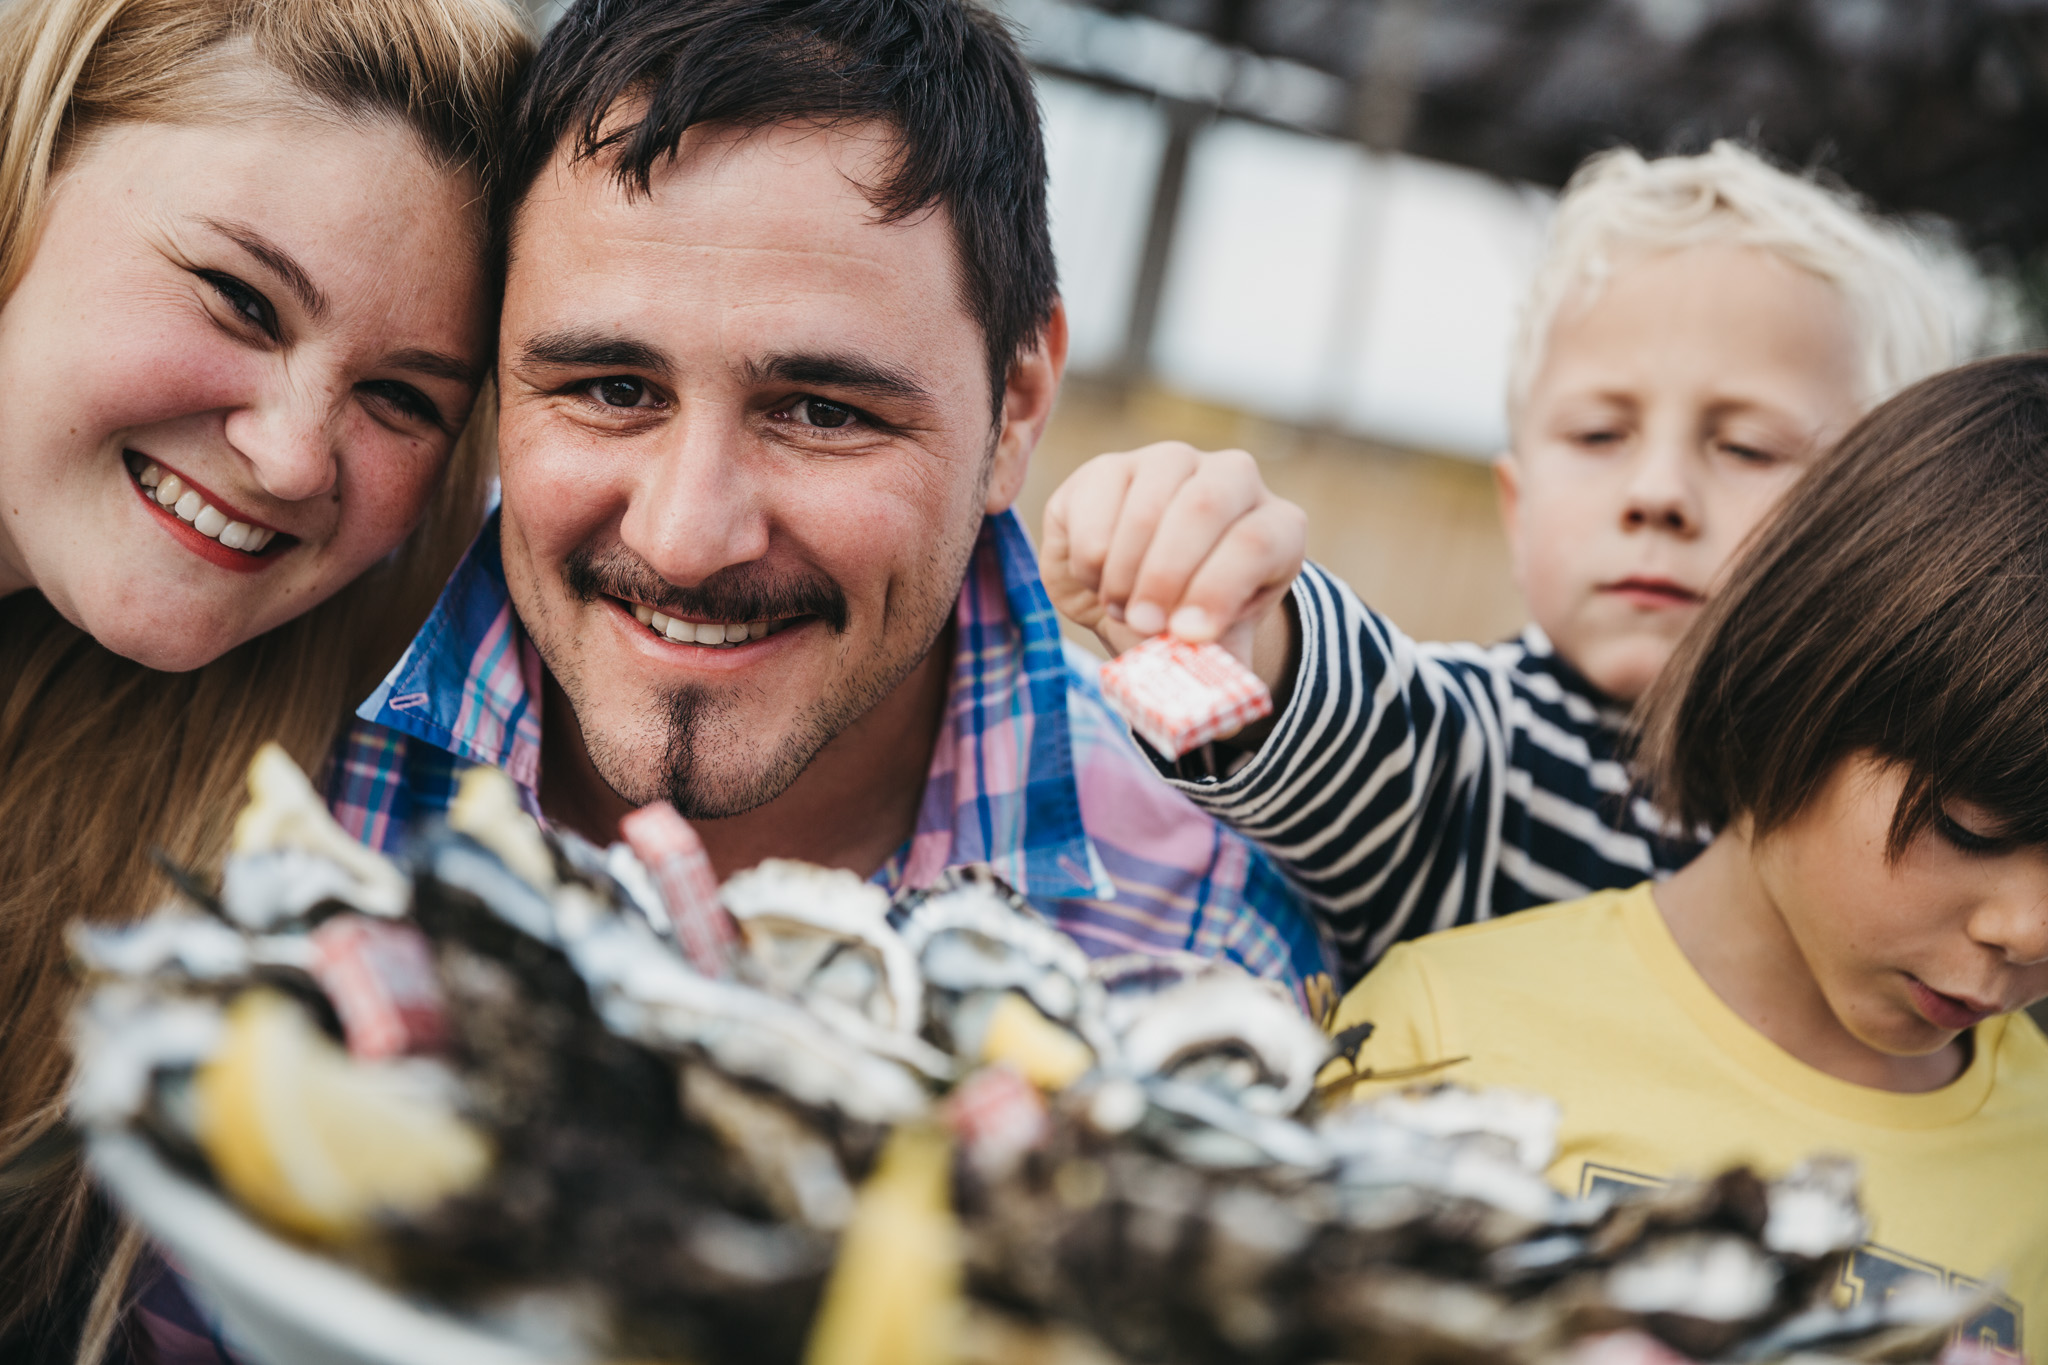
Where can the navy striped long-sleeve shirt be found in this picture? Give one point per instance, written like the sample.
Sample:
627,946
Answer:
1409,788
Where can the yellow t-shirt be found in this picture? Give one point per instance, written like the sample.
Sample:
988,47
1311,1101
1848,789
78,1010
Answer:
1592,1003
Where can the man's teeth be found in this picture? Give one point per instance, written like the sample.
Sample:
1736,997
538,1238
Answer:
704,632
170,490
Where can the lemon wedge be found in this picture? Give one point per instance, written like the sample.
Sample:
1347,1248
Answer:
894,1295
1042,1052
320,1144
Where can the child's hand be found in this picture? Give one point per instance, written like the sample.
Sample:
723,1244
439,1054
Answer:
1171,536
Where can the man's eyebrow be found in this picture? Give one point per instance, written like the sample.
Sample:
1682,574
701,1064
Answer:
277,260
837,372
593,351
437,364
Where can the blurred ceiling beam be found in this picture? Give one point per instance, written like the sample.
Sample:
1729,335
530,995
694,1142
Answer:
1937,105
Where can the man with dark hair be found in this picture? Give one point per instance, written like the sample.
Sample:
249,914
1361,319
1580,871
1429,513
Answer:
781,330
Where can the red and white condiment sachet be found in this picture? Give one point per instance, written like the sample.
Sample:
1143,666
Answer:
674,856
1178,696
380,977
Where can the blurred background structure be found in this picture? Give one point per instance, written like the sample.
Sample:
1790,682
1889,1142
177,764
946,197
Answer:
1303,226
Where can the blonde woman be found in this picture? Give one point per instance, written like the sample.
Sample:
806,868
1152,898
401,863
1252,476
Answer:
246,310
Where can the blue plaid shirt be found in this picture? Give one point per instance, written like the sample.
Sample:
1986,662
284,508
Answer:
1032,774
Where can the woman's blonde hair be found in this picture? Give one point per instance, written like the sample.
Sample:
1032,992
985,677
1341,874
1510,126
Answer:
1620,206
105,762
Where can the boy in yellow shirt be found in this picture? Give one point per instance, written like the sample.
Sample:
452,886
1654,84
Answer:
1863,713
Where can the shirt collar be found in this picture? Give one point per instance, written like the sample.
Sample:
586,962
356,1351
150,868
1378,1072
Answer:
1543,655
1002,787
469,682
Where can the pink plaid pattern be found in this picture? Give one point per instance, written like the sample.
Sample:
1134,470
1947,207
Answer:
380,977
675,856
1179,696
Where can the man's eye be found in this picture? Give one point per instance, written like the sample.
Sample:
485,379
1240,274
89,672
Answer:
619,391
247,303
822,412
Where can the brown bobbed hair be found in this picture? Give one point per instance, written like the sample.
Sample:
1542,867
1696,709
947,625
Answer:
102,760
1897,605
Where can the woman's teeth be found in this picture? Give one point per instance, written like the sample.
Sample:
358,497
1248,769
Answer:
704,632
170,490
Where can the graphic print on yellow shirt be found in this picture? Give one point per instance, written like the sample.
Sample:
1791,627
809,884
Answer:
1872,1272
1592,1003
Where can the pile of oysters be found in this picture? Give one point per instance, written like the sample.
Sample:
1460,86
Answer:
512,1076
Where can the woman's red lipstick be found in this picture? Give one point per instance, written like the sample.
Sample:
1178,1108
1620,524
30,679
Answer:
1950,1012
205,546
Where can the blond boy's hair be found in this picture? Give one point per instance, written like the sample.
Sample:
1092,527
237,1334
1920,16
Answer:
1620,206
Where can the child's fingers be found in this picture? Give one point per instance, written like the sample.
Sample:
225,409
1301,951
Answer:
1253,563
1223,490
1086,507
1055,543
1055,560
1158,471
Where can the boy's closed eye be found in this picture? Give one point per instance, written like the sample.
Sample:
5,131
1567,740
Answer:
1761,435
1749,454
1970,829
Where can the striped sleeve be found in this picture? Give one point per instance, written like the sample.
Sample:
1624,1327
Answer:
1411,788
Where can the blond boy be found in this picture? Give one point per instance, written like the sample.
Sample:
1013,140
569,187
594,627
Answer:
1702,330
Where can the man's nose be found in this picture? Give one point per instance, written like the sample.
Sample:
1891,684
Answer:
288,438
699,509
1660,494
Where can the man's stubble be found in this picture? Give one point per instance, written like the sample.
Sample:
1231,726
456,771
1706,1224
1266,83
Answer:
696,724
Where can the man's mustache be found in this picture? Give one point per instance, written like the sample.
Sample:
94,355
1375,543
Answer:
744,592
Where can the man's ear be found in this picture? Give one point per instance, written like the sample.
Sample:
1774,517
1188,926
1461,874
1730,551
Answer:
1033,383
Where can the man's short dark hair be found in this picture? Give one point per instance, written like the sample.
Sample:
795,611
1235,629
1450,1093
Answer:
1898,606
945,75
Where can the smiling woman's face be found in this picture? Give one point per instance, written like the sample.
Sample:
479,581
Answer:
232,374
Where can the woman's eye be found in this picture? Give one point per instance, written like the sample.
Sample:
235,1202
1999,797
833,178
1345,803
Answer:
405,399
822,412
619,391
247,304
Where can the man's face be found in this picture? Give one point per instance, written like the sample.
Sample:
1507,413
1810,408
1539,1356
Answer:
1670,415
747,443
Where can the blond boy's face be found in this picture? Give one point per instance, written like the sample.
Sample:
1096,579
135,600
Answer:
1669,416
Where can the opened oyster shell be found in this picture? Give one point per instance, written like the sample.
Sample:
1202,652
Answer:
1224,1031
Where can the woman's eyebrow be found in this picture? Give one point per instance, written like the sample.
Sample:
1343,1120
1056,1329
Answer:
277,260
